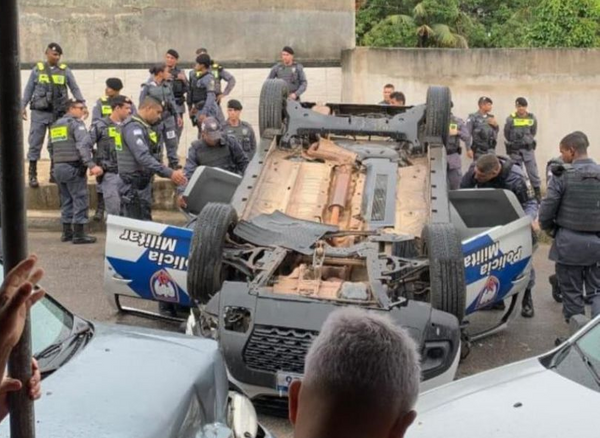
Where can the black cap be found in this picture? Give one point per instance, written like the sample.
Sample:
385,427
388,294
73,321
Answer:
114,84
521,101
173,53
484,99
288,49
211,127
234,104
203,59
55,47
119,101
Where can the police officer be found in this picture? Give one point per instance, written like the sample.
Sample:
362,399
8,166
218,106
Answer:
458,132
291,72
139,160
215,150
220,74
103,107
571,213
159,89
483,129
397,98
519,134
388,89
242,131
47,96
72,157
495,172
202,101
179,86
106,134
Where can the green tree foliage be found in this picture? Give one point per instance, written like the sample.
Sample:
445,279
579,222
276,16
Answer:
479,23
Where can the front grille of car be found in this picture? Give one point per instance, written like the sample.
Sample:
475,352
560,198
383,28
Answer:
273,349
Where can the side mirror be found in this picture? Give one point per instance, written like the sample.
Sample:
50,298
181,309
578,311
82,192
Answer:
241,416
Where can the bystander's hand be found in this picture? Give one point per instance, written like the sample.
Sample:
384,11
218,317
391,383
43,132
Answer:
492,121
293,96
470,153
219,98
178,177
96,171
181,202
179,122
535,226
8,385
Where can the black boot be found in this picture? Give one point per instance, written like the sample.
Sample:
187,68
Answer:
67,234
527,305
33,181
538,194
52,180
79,236
99,215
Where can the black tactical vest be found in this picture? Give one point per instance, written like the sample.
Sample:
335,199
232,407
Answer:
50,92
521,132
243,136
453,146
290,75
63,141
214,156
199,93
580,204
108,145
177,86
484,136
127,164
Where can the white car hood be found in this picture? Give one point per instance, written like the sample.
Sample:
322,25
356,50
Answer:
524,399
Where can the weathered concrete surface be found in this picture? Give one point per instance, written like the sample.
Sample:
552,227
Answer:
562,86
140,31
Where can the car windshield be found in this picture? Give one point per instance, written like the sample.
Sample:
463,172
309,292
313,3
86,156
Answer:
50,324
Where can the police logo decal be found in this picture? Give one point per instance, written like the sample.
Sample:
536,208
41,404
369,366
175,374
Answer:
163,287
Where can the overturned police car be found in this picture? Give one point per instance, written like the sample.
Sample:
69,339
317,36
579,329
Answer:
342,205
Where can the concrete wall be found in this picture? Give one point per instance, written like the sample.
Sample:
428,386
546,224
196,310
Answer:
324,85
562,86
140,31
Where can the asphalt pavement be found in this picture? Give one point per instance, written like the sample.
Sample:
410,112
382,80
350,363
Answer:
74,276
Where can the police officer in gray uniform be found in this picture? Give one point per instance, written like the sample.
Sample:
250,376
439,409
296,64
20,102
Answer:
179,86
202,100
291,72
138,161
220,74
215,150
242,131
483,129
495,172
46,94
102,108
458,132
106,134
571,213
519,134
72,157
159,89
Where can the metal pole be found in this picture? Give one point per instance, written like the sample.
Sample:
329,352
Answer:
14,223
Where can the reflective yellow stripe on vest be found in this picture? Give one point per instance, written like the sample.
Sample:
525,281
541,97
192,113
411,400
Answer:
114,133
58,79
453,126
523,122
59,133
153,137
106,110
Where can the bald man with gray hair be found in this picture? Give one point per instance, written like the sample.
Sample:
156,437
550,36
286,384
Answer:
361,379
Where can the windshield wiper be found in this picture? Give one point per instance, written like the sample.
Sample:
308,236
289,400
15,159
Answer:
57,348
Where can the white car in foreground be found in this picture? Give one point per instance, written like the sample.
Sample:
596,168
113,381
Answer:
553,395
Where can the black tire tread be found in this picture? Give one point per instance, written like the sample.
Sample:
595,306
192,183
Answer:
437,112
273,95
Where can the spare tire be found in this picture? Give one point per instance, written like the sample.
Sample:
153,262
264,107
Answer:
205,266
441,243
271,107
437,113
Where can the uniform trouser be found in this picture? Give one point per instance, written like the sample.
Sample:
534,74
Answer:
40,123
454,172
136,199
72,184
572,280
111,185
477,153
527,157
179,129
168,132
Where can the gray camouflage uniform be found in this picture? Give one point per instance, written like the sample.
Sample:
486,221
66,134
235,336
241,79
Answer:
245,136
293,75
202,96
519,134
483,135
454,150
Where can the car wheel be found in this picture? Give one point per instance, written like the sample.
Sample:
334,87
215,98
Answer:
437,113
441,244
205,271
271,107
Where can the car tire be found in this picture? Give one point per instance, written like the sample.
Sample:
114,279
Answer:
205,271
437,113
271,107
442,245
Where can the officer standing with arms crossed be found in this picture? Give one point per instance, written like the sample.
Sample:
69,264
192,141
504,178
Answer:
291,72
47,96
458,132
179,86
106,134
138,163
519,134
72,157
158,88
483,129
242,131
214,150
202,100
494,172
571,213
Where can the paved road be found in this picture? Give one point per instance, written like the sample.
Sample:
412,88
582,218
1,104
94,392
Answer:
74,277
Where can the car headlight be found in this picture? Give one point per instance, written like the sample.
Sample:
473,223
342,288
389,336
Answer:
241,416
